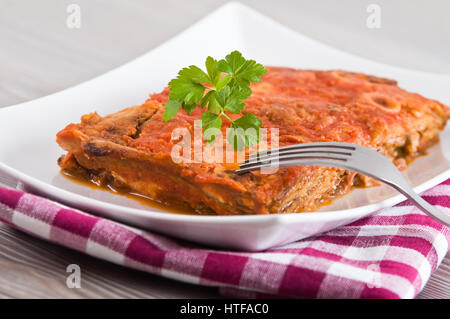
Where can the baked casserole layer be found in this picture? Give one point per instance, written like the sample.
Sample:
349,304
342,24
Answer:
133,147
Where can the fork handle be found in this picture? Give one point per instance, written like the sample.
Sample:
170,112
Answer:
426,207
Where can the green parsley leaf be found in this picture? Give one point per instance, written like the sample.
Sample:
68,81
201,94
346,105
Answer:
223,81
234,105
219,93
189,108
171,109
206,99
212,122
182,88
222,96
208,118
195,74
229,100
213,105
242,93
232,63
251,71
188,87
245,131
213,72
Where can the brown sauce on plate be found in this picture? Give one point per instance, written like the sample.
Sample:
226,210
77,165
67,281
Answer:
142,199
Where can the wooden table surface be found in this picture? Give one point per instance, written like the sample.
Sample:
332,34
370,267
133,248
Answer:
40,55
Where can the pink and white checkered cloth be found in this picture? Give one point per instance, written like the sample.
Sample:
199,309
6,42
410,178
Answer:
389,255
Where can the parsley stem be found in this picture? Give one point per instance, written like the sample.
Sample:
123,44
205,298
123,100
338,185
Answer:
229,119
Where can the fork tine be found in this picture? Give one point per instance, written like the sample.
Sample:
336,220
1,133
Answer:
331,145
320,150
303,161
293,153
260,163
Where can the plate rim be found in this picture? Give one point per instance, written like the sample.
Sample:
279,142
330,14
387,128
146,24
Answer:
332,215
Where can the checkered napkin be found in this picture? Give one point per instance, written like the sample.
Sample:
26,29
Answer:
391,254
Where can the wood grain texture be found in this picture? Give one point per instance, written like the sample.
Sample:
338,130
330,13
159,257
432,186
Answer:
33,268
439,284
40,56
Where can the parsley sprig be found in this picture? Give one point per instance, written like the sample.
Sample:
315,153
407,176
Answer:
220,90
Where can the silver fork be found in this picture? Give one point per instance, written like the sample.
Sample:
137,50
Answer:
347,156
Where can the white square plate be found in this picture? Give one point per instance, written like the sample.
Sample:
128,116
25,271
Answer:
28,150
